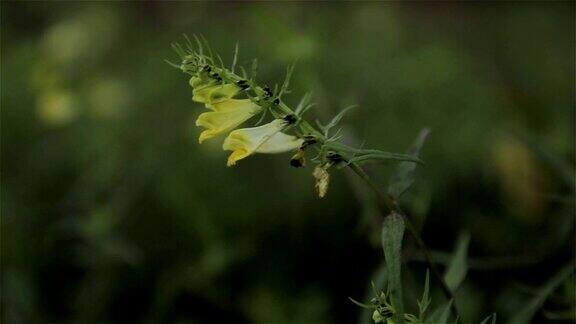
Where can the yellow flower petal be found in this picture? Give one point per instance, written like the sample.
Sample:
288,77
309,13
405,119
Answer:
215,93
227,116
230,104
280,143
262,139
238,143
198,83
236,155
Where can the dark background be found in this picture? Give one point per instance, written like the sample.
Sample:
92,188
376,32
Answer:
111,211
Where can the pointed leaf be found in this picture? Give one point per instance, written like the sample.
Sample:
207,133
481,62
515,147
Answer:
403,178
384,157
440,315
392,234
337,119
361,304
527,312
565,315
369,155
491,319
235,59
425,301
458,266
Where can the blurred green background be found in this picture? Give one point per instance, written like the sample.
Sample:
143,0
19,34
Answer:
111,211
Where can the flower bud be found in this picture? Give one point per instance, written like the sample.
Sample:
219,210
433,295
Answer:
376,317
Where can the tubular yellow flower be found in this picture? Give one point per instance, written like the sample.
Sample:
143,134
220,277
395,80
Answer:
262,139
210,94
199,82
226,116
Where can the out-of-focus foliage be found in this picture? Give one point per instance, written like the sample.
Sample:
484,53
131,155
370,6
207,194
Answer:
112,212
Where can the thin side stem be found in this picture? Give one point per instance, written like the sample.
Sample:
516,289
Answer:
392,206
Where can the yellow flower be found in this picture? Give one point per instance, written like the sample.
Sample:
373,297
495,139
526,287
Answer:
199,82
226,116
210,94
262,139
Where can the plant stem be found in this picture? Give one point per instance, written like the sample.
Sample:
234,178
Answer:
393,207
389,203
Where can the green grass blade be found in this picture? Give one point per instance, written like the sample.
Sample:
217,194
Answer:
440,315
490,319
528,311
425,301
458,266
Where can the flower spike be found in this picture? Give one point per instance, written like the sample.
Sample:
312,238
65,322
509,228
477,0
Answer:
232,98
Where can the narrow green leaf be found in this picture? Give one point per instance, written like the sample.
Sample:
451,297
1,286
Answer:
392,234
304,102
403,178
527,312
207,45
337,119
235,59
458,266
440,315
337,146
445,313
368,155
411,318
491,319
198,44
565,315
174,65
384,157
286,83
425,301
220,61
361,304
254,69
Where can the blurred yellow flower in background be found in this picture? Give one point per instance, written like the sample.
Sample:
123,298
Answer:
56,107
522,181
